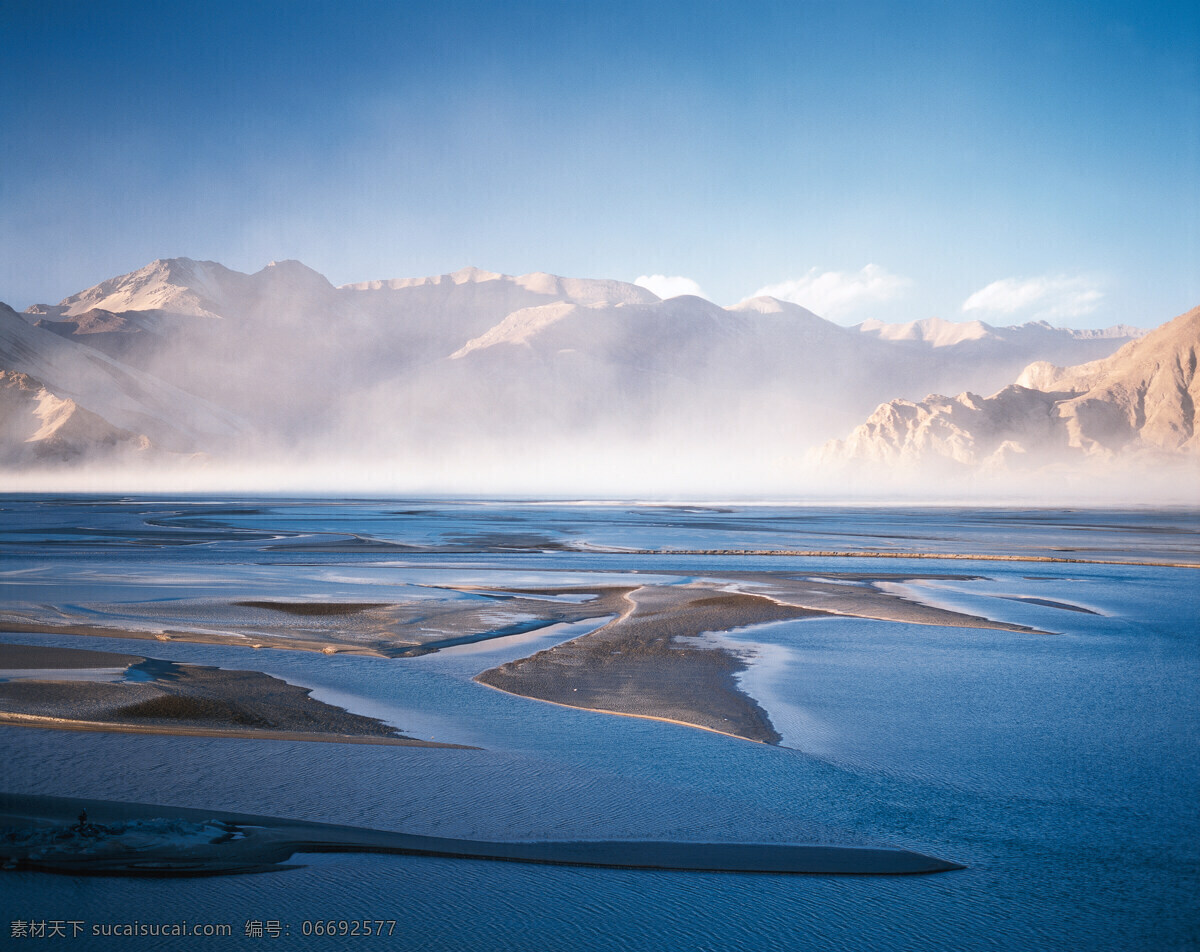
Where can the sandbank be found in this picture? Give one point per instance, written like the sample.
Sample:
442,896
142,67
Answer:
1049,603
645,663
181,699
131,839
22,623
444,616
862,597
41,657
649,662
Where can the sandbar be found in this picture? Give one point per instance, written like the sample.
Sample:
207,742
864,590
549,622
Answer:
131,839
443,616
651,662
178,699
1049,603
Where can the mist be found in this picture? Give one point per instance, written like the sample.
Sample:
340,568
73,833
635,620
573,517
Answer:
210,380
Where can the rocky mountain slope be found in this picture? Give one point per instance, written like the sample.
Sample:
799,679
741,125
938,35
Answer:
39,427
82,396
1138,402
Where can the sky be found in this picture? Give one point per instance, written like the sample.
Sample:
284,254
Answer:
1003,161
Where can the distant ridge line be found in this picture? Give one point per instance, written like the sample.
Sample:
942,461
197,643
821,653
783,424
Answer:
832,554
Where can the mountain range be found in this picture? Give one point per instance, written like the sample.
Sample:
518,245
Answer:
190,360
1137,404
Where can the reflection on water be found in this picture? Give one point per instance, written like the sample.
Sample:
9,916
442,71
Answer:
1062,769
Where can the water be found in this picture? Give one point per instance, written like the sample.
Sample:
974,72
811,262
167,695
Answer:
1062,769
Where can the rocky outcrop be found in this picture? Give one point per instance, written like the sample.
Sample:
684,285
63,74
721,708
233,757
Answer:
1140,400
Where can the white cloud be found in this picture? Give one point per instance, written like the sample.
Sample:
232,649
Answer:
1050,296
831,293
669,286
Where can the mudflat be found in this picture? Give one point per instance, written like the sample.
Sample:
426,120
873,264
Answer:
653,662
170,698
655,658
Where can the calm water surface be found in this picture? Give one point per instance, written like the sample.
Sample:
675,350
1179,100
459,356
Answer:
1062,769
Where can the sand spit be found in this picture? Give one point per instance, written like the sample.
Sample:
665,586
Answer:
1049,603
39,657
862,597
169,698
129,839
103,727
651,663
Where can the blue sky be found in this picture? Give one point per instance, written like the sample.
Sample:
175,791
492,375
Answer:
1003,161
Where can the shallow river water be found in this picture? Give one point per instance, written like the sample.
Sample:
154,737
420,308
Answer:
1062,770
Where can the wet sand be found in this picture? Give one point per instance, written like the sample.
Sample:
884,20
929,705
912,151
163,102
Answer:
1048,603
182,699
865,596
29,622
474,613
448,614
173,841
101,727
651,662
39,657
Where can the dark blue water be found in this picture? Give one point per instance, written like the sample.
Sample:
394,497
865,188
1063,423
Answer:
1063,770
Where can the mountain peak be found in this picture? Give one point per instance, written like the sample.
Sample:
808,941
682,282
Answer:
181,285
764,304
935,331
289,264
473,275
760,305
296,274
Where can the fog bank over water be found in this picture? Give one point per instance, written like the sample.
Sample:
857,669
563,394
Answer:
187,374
661,475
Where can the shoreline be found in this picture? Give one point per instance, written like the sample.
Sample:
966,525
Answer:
839,554
651,662
153,696
11,626
641,717
252,844
15,719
